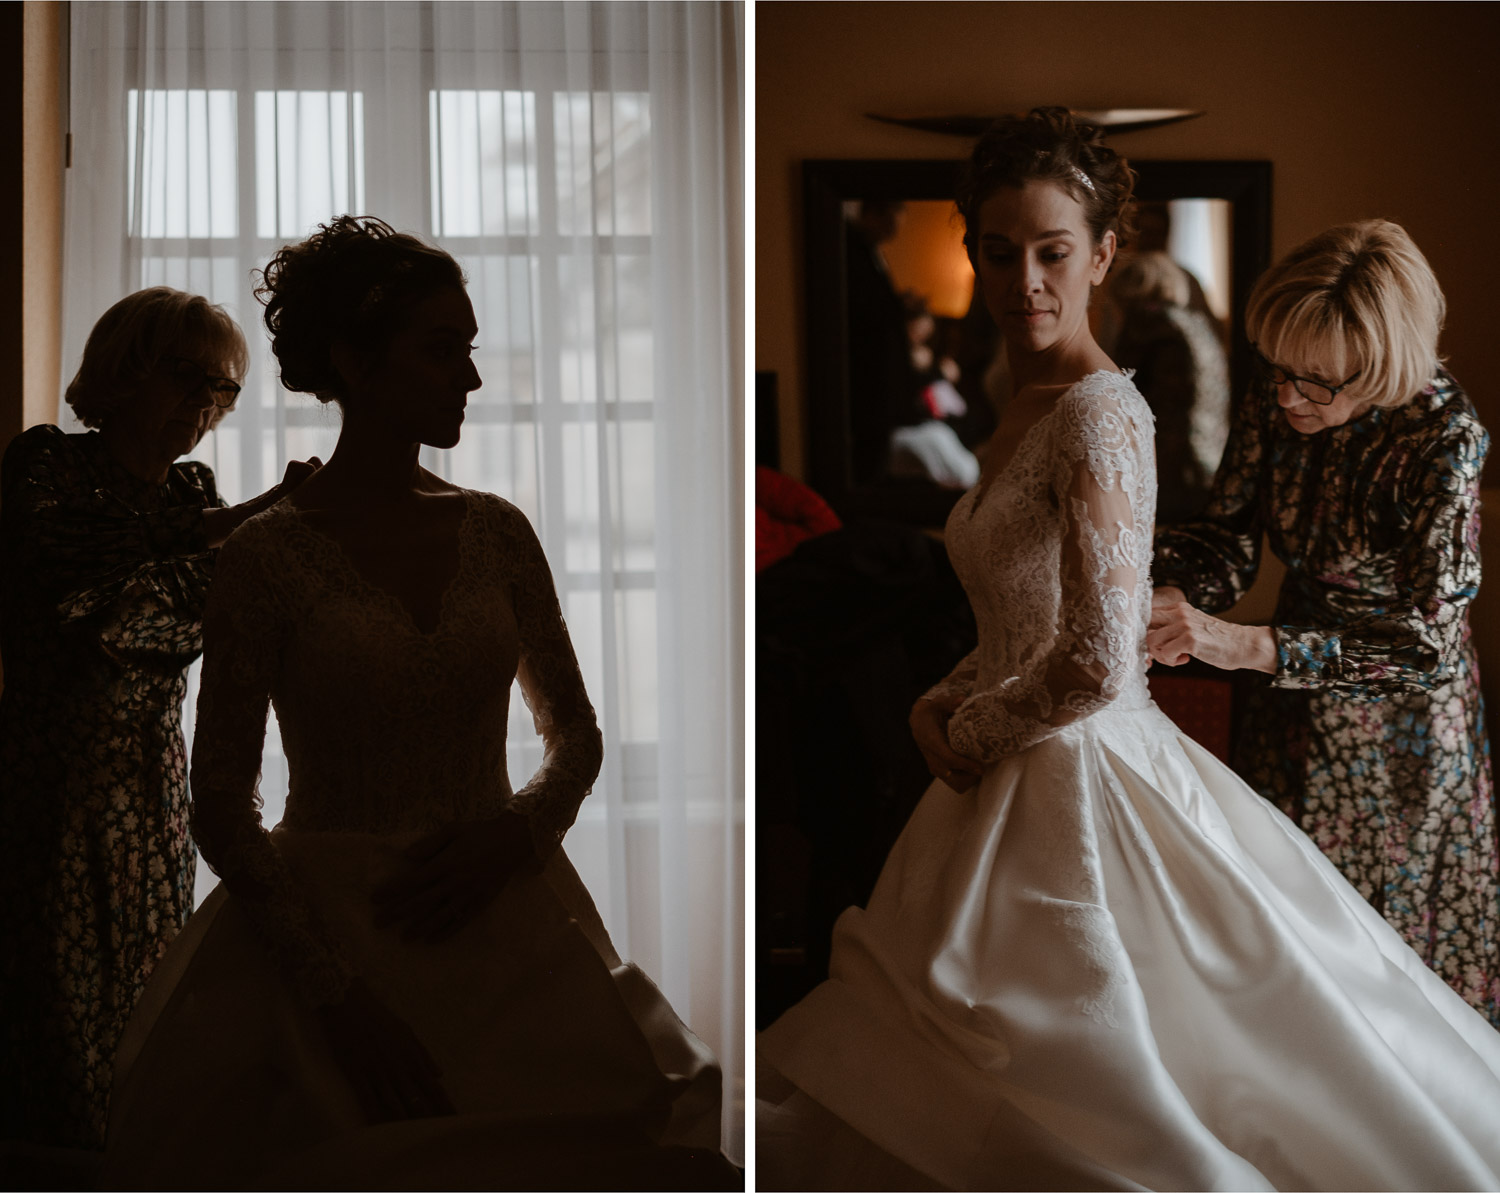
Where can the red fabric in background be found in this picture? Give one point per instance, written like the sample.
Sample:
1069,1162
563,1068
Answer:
1198,706
787,512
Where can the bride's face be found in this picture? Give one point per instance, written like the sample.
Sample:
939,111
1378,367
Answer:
420,384
1038,263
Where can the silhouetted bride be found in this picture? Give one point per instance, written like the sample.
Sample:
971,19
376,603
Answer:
405,984
1095,958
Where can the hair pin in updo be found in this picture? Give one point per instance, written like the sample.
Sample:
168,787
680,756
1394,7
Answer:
1088,183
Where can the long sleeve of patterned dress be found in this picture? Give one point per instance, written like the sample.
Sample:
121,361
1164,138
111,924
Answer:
552,686
91,545
1412,639
1103,480
1214,559
244,634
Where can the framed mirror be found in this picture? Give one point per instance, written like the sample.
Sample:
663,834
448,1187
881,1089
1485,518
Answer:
865,219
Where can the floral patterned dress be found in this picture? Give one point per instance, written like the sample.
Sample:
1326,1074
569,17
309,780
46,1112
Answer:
104,583
1371,733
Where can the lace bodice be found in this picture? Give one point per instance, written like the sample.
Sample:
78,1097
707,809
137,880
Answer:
1055,554
386,729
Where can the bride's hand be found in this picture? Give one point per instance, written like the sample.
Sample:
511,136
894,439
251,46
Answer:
455,874
929,725
1179,631
393,1075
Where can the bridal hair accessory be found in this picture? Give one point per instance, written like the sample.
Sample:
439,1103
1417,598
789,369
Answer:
1088,183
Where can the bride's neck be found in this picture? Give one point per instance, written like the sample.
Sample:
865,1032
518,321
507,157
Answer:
1059,364
371,464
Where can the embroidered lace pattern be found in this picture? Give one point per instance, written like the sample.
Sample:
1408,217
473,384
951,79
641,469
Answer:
386,729
1055,554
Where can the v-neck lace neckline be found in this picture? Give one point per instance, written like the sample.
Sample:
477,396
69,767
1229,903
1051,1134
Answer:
376,592
982,489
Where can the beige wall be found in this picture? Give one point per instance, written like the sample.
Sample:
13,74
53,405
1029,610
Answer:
1364,109
43,149
33,52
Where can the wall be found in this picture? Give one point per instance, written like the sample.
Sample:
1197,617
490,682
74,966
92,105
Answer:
44,145
1364,110
33,58
33,74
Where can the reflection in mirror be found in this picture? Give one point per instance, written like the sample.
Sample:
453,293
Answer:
927,366
908,371
1164,313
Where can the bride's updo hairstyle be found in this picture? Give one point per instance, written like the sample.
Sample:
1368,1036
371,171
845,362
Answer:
352,281
1049,145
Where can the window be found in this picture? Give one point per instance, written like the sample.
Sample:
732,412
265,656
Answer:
544,196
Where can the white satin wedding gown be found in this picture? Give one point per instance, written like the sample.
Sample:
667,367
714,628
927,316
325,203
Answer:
567,1067
1111,965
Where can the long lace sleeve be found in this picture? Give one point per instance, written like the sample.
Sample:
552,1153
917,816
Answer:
245,631
1414,641
1214,558
90,547
1103,481
552,687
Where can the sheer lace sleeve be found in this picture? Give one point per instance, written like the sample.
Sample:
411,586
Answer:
244,634
552,686
1104,483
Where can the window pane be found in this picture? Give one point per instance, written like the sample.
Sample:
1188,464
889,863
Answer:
483,162
603,163
219,279
309,160
604,333
180,163
635,613
498,459
503,290
629,476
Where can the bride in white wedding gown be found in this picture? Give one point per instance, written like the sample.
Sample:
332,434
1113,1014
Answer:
1095,958
405,985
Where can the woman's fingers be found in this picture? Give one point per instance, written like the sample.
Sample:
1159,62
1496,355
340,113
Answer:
1170,647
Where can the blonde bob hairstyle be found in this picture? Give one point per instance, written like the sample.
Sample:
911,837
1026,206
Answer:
137,333
1357,298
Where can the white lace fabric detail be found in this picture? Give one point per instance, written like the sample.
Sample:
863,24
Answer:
386,729
1055,554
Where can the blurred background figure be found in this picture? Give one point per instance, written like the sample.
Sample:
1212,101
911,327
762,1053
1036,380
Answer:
883,383
1181,369
923,442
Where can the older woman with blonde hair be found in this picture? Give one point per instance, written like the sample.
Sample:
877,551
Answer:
1358,457
107,547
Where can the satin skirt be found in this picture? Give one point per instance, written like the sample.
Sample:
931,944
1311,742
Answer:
1114,966
568,1068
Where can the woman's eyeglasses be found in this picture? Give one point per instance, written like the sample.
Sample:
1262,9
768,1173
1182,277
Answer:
192,376
1320,393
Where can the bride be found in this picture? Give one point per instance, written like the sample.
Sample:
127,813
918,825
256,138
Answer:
405,984
1096,959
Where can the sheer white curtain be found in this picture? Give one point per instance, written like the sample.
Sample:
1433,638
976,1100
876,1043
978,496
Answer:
583,163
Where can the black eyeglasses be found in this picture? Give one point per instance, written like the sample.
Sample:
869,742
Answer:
194,376
1280,376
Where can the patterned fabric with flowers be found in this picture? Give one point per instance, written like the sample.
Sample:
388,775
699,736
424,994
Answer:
1371,734
104,582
